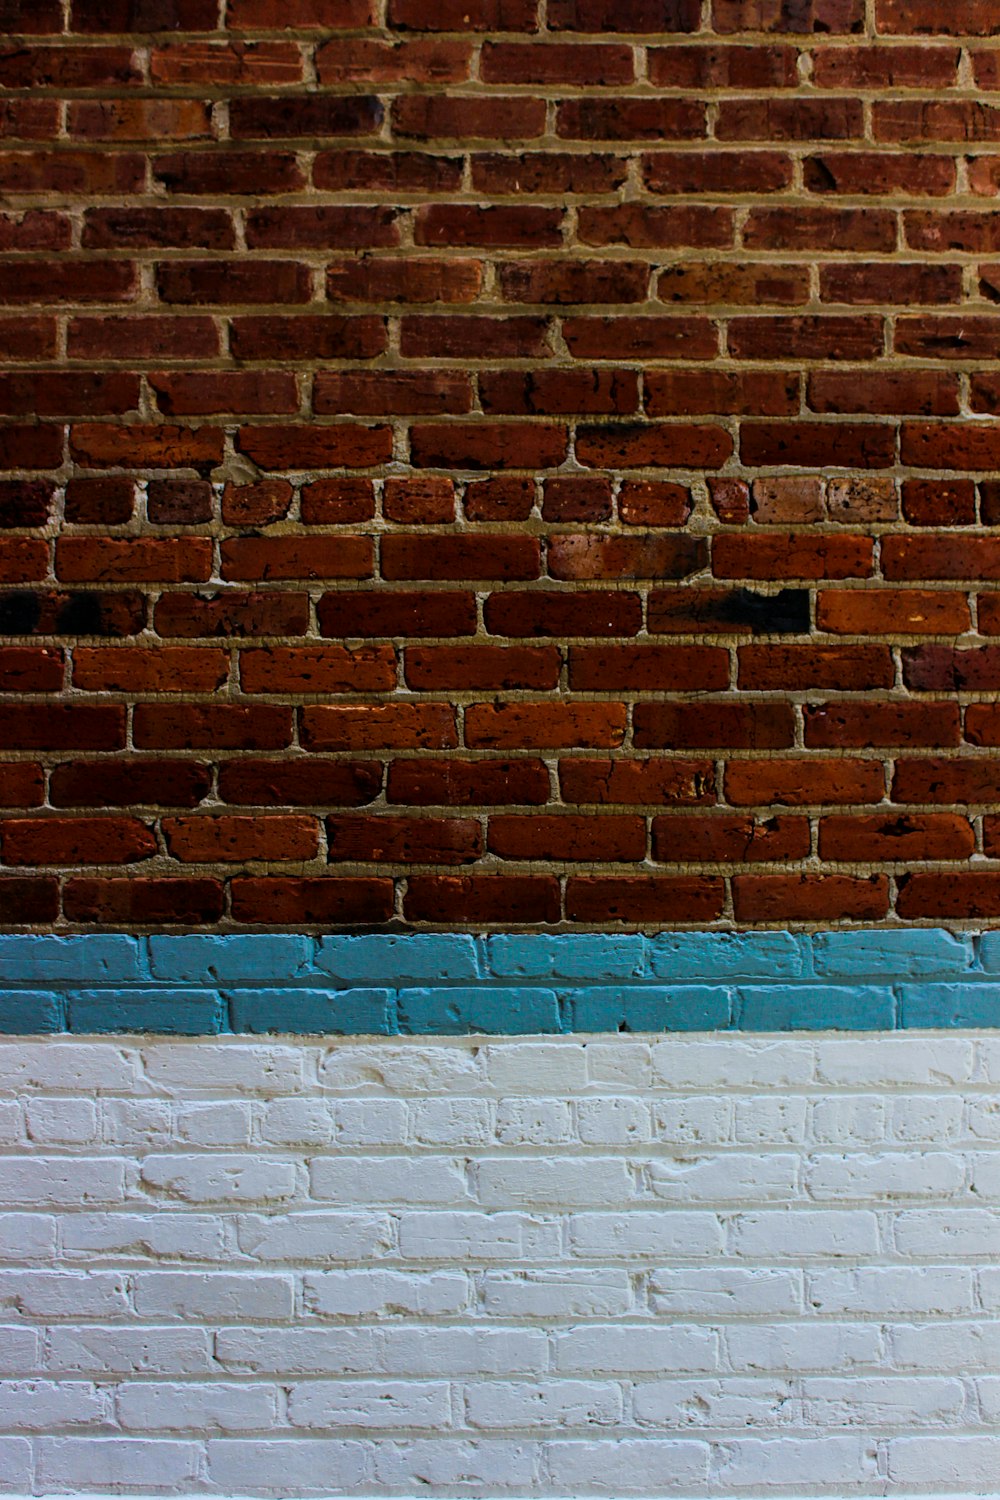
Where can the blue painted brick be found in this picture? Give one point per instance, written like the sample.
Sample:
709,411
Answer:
520,1011
816,1007
177,1012
23,1011
989,952
652,1008
893,954
683,956
399,958
934,1005
90,959
252,959
363,1012
590,956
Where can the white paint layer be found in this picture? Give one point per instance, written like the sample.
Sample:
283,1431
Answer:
625,1266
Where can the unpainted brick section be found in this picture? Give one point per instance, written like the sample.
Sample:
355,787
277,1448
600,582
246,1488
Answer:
575,414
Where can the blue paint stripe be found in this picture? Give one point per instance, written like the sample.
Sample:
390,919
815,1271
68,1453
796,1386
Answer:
501,984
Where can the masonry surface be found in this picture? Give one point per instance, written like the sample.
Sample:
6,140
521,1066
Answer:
494,465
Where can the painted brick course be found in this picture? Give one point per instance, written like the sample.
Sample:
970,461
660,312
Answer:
498,464
701,1266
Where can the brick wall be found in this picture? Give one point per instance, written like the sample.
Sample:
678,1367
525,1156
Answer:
499,463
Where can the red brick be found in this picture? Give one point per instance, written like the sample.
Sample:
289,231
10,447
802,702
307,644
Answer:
336,502
799,118
28,502
529,725
797,16
75,841
158,228
357,615
303,15
22,784
256,504
27,338
66,67
309,448
960,229
957,893
327,226
658,781
307,338
865,726
567,838
122,903
880,174
984,395
269,901
496,226
895,839
892,612
179,502
378,393
989,614
660,445
810,898
153,338
641,338
578,498
803,782
754,67
68,393
225,840
832,668
481,117
791,555
98,445
644,900
546,172
807,228
884,392
713,725
72,172
860,498
976,782
918,120
463,15
787,499
653,503
395,841
129,782
402,726
143,15
875,67
232,282
650,556
91,559
290,116
67,281
521,62
648,668
318,669
552,612
76,612
217,726
138,119
650,228
827,338
287,557
941,668
818,445
386,172
303,782
502,499
735,172
424,500
23,560
730,500
631,119
642,16
713,282
940,555
416,279
23,447
219,174
149,669
474,337
481,668
410,557
562,392
219,63
358,60
569,281
487,445
468,783
526,900
991,837
231,612
34,230
713,611
725,839
23,899
929,502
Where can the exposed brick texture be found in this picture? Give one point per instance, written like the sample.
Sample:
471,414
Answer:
581,415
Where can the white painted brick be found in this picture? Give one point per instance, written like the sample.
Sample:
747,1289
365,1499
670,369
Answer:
635,1349
130,1351
137,1463
20,1350
989,1288
888,1062
558,1068
320,1235
480,1465
452,1122
630,1466
213,1295
784,1347
882,1401
539,1182
297,1122
577,1293
202,1406
219,1179
496,1404
800,1463
943,1347
68,1067
892,1175
34,1405
646,1234
765,1120
373,1293
393,1351
534,1122
11,1122
61,1122
934,1118
891,1290
858,1118
299,1351
387,1179
984,1117
805,1235
223,1124
463,1351
478,1237
724,1291
730,1177
988,1394
730,1403
143,1124
52,1180
947,1232
693,1121
370,1122
225,1068
984,1175
682,1063
152,1235
613,1122
610,1065
387,1068
15,1463
64,1294
27,1237
370,1403
968,1464
324,1466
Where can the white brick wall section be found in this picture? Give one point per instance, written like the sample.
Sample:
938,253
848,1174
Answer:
684,1267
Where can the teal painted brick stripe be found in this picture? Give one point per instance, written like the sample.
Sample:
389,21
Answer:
501,984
